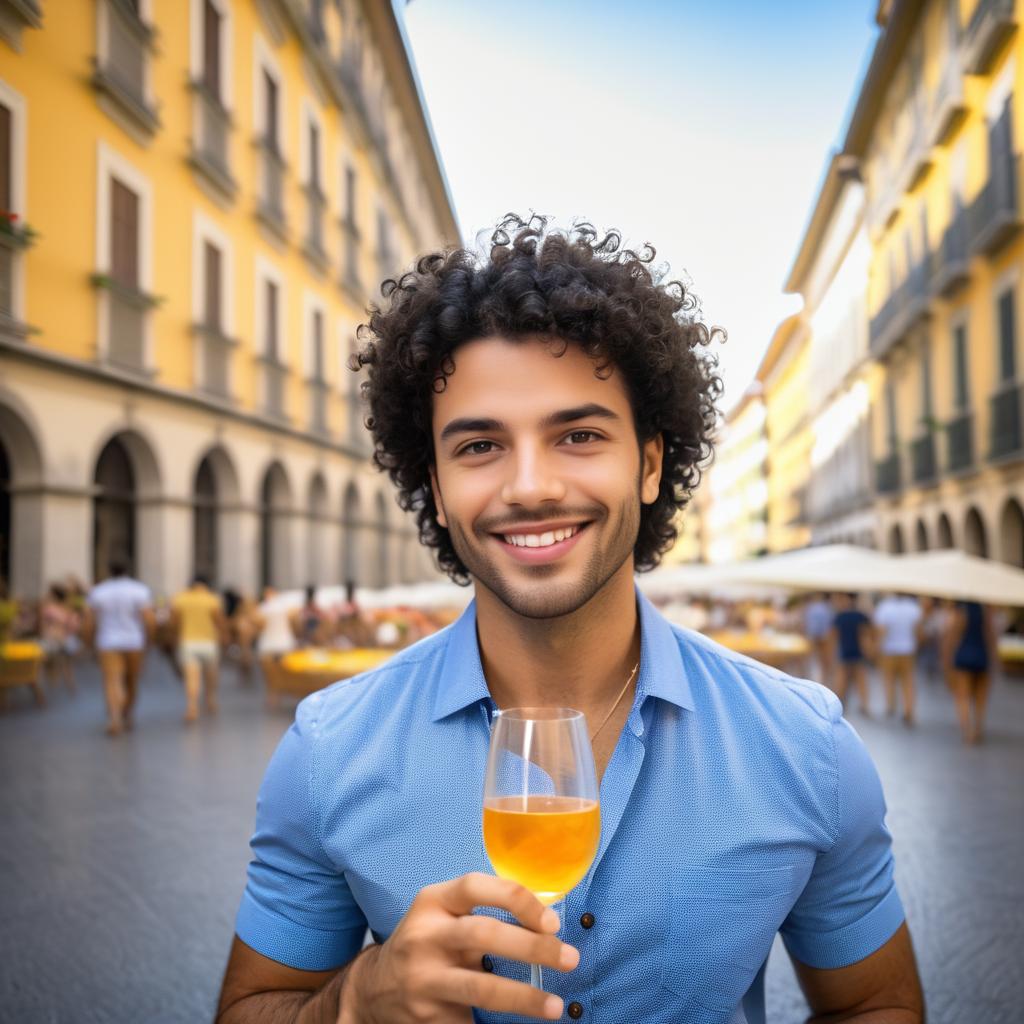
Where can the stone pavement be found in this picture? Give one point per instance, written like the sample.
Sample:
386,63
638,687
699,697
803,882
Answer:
122,861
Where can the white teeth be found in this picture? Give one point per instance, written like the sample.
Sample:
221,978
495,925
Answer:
539,540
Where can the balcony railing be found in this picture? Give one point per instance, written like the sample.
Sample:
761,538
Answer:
318,392
210,145
990,26
887,474
901,311
316,205
960,443
922,458
950,262
126,340
350,280
993,216
121,72
1004,413
275,379
919,149
271,194
216,360
949,108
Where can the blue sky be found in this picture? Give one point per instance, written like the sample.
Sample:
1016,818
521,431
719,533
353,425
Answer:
701,127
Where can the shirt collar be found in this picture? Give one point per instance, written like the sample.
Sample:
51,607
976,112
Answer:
462,683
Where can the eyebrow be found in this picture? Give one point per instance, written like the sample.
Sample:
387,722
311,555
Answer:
473,425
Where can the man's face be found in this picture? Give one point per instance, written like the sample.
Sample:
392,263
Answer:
539,475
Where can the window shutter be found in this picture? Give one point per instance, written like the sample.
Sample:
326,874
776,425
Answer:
124,234
212,267
211,48
270,115
271,313
6,154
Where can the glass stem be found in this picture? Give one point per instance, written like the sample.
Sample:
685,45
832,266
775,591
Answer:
536,976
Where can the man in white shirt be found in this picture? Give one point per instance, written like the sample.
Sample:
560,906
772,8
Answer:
898,618
120,624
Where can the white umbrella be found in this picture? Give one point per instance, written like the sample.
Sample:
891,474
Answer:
962,577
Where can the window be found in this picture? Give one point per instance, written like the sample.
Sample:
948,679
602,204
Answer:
268,116
15,235
270,312
890,410
211,80
6,147
270,119
211,49
385,258
926,380
961,398
272,342
315,316
124,235
212,307
125,41
350,230
1007,337
212,286
316,201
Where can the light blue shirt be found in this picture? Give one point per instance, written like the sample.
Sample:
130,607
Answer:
737,803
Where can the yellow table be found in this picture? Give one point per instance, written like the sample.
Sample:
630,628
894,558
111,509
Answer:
1011,654
787,651
300,673
20,661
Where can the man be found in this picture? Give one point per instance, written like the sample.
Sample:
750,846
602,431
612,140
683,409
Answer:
818,615
200,628
544,413
898,620
120,623
853,638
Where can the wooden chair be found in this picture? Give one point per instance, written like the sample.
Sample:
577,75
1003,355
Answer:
20,672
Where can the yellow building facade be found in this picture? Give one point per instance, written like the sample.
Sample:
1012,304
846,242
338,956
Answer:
937,131
199,199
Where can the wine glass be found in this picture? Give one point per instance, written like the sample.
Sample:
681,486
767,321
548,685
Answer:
542,821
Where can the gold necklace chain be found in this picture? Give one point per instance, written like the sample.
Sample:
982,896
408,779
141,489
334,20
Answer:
618,700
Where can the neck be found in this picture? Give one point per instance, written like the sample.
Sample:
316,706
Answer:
579,660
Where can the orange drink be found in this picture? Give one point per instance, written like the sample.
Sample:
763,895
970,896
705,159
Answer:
546,843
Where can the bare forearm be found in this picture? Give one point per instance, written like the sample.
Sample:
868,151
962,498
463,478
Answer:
887,1016
320,1007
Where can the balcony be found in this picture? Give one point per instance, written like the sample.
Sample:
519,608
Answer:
275,380
950,263
350,280
918,161
922,459
120,74
128,310
313,246
318,392
960,443
901,311
887,474
991,25
270,205
210,144
993,216
1004,413
949,108
215,360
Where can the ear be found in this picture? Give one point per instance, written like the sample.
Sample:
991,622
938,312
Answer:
651,455
435,489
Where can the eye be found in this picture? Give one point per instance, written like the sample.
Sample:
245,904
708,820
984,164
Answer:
477,448
582,437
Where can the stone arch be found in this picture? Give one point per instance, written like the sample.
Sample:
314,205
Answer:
351,518
975,536
21,473
921,536
1011,534
126,481
944,532
383,539
275,505
318,514
895,541
215,498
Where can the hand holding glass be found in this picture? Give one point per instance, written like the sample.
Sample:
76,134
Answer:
542,823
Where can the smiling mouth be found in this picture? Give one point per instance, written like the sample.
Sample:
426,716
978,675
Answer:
541,540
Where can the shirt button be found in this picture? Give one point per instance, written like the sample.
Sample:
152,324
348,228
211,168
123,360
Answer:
587,920
575,1010
487,963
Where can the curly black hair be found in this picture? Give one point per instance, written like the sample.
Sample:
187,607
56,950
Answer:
576,286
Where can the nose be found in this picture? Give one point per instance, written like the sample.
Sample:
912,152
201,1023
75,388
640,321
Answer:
532,478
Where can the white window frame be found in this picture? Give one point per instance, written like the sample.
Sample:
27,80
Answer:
266,270
310,115
226,47
206,230
111,164
313,303
265,60
19,187
1007,281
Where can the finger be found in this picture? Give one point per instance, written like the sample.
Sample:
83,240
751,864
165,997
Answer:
486,935
490,992
463,894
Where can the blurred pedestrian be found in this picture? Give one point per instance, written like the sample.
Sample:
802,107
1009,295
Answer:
243,628
973,655
852,635
275,637
310,623
351,628
59,625
818,616
8,613
200,627
898,619
119,625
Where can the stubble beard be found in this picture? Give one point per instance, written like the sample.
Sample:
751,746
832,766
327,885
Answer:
541,597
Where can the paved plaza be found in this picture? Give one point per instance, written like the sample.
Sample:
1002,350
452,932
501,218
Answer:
122,861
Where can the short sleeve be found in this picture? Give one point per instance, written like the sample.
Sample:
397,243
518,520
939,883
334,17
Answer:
849,907
297,907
